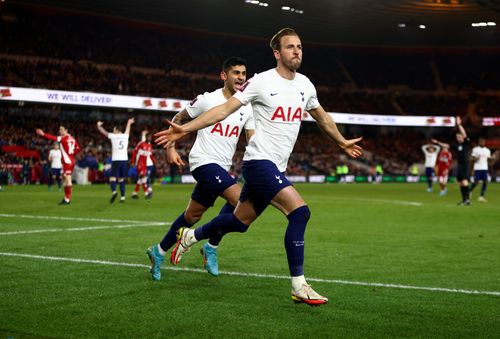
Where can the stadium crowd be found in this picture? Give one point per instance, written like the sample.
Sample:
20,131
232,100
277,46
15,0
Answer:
118,57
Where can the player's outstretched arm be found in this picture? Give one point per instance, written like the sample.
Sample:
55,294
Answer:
129,123
41,133
173,158
461,128
101,129
180,118
210,117
326,123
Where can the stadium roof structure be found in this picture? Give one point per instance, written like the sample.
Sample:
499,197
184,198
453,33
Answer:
433,23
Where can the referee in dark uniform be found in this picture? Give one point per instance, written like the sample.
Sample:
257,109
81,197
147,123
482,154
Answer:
463,152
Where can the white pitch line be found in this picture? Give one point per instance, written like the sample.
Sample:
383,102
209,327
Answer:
397,202
89,228
257,275
70,218
386,201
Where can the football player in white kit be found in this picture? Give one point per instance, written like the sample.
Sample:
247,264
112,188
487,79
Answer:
210,159
279,98
431,152
119,157
480,156
55,158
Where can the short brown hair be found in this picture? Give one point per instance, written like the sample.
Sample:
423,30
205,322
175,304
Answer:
275,42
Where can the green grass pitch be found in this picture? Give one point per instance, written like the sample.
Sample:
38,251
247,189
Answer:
394,260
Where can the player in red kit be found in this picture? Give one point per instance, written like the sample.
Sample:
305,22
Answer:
143,158
443,165
69,149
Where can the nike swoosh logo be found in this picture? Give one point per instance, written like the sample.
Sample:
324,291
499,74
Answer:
273,94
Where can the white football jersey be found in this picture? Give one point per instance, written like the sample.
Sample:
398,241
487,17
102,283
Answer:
119,146
278,108
216,144
55,157
430,157
483,154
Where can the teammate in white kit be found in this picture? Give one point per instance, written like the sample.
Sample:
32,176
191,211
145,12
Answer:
119,157
431,152
55,158
279,97
480,156
210,159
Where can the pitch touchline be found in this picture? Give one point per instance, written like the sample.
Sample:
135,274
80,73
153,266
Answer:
396,202
256,275
90,228
70,218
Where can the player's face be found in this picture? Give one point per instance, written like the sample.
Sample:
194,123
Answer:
62,131
482,142
234,78
290,53
460,138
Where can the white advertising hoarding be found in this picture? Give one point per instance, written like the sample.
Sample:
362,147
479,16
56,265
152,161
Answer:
172,104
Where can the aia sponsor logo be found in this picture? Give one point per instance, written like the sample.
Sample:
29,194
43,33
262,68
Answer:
287,114
226,131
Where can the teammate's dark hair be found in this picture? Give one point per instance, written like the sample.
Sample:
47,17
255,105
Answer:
275,42
233,61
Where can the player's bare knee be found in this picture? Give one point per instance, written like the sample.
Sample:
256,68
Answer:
192,217
239,225
233,202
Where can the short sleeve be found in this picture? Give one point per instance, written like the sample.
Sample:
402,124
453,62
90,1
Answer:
250,123
475,152
313,102
249,91
198,106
